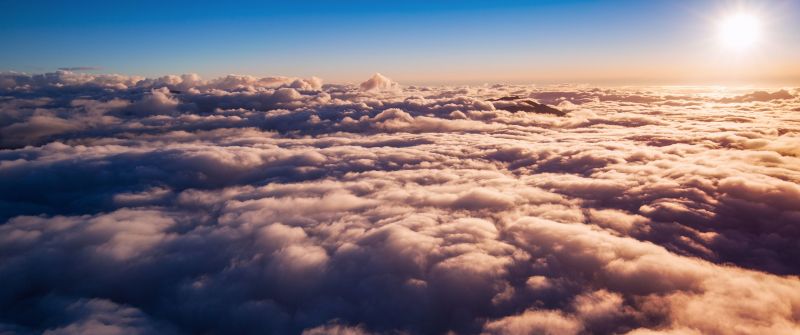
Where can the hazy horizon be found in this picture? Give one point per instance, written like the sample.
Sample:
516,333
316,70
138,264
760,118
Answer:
615,83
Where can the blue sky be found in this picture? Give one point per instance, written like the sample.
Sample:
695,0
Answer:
411,41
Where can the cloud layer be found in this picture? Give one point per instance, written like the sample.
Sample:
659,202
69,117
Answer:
178,205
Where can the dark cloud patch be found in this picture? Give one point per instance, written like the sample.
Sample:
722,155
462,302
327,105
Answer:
177,205
527,106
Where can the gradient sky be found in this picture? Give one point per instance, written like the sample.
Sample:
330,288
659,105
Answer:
625,41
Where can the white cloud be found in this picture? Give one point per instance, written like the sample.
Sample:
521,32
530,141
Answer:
378,82
279,205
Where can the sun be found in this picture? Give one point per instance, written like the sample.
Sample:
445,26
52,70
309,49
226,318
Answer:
740,30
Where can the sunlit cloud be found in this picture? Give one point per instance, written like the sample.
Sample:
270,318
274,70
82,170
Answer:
242,204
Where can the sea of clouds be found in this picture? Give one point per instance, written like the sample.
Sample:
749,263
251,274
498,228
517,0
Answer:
245,205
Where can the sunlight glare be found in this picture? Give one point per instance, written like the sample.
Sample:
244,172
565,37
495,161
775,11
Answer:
739,31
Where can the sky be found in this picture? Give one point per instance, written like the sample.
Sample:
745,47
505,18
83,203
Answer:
410,41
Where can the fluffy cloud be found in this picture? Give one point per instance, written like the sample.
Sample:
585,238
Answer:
178,205
378,83
760,96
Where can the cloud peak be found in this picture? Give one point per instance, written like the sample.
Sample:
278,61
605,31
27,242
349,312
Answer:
378,82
